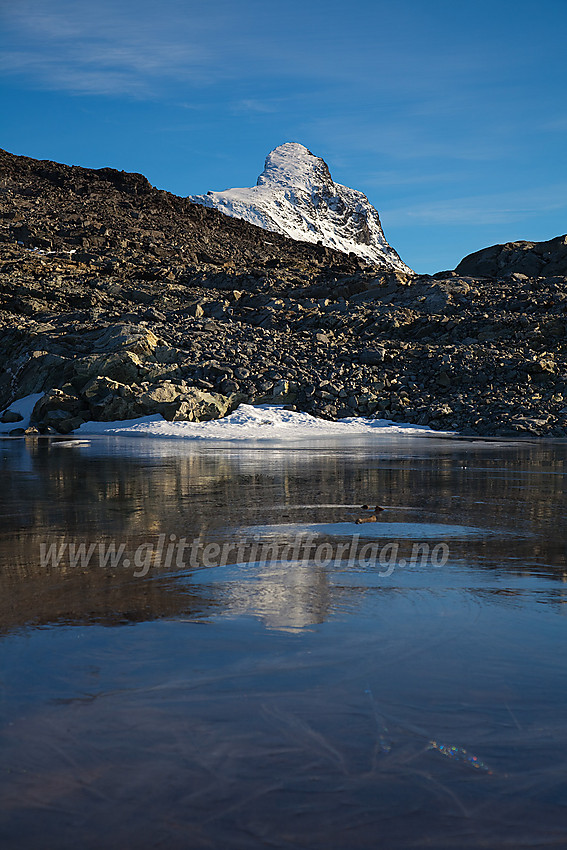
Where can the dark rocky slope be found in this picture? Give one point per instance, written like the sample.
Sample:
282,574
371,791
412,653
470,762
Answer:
117,299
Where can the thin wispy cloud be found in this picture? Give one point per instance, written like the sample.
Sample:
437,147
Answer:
405,178
140,47
254,106
498,208
71,48
398,137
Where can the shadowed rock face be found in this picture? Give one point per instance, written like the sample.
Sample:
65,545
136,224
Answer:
533,259
118,300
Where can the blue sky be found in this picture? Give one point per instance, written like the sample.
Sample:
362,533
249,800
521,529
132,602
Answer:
451,116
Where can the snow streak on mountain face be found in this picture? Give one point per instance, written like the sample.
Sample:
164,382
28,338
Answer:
296,196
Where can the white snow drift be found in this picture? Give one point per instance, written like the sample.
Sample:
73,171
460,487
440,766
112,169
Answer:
251,423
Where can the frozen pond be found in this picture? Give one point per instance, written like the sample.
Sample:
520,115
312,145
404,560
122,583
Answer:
202,644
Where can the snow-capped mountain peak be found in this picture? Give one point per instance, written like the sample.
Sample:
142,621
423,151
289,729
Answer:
292,164
295,195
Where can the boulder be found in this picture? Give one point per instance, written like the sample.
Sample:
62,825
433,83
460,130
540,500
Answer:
125,337
124,366
160,398
282,392
372,356
196,405
10,416
39,372
195,309
533,259
436,300
109,400
55,407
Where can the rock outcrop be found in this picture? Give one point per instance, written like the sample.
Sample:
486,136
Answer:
533,259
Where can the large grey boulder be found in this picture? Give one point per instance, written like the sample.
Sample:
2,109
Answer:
534,259
181,403
126,367
34,373
196,405
109,400
62,410
373,356
436,299
56,399
138,339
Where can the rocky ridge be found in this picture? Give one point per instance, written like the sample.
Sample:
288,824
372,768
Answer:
117,299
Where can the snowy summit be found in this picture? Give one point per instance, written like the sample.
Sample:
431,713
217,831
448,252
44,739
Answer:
295,195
